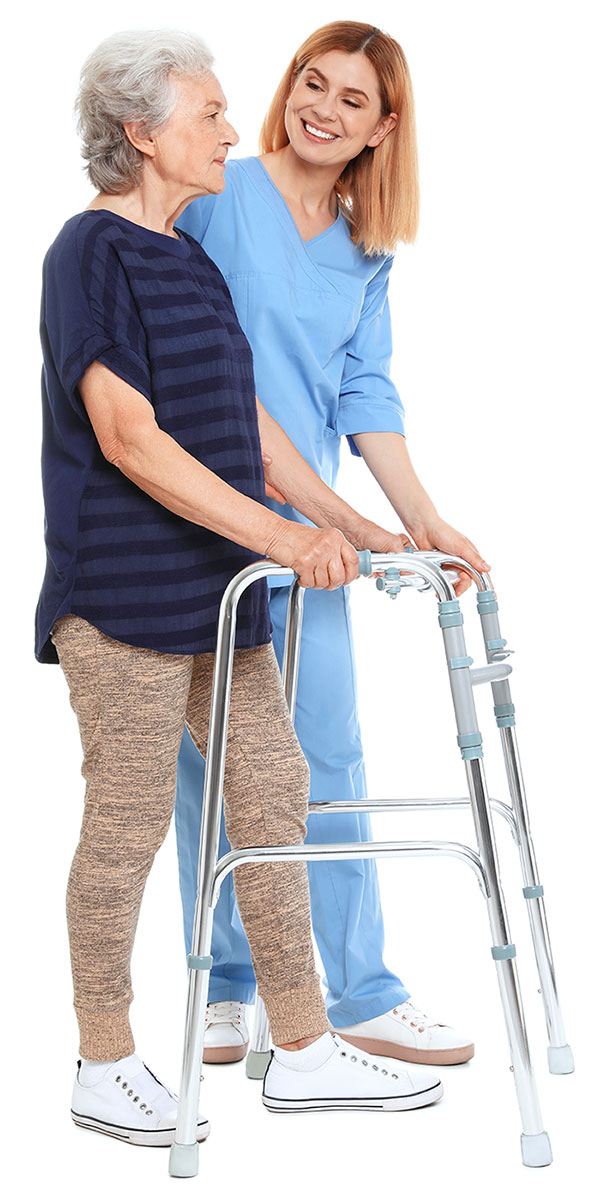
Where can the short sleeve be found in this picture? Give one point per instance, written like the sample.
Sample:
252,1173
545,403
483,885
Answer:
369,401
89,313
195,219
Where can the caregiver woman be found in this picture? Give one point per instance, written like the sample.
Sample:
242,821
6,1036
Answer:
153,484
302,235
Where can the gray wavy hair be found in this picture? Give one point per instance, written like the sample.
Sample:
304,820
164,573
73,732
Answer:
129,77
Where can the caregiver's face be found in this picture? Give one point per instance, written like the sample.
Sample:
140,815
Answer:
192,147
334,109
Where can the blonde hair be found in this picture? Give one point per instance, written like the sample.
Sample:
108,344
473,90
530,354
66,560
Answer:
379,189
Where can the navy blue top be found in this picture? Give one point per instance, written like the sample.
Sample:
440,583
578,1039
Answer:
157,312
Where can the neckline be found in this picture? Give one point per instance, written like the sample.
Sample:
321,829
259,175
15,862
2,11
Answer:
178,245
305,241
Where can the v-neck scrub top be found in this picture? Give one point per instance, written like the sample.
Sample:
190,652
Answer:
157,312
316,315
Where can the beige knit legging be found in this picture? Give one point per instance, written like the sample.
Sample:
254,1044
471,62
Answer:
131,705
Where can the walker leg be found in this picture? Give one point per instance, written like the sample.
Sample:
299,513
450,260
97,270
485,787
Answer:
560,1057
535,1145
259,1054
183,1159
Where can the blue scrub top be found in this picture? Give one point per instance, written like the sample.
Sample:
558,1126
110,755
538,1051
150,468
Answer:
316,315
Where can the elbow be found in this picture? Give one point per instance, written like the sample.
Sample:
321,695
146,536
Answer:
127,455
114,451
126,445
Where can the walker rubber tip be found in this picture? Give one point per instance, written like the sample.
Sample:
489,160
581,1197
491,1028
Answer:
560,1060
257,1063
183,1161
536,1150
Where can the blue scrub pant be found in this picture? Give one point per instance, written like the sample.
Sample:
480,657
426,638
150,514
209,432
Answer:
345,905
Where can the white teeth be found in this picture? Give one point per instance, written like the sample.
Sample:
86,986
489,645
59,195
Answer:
327,137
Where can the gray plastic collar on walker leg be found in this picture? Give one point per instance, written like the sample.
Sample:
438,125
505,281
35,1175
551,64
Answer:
183,1161
536,1150
257,1063
560,1060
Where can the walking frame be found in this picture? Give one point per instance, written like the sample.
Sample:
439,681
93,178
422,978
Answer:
421,569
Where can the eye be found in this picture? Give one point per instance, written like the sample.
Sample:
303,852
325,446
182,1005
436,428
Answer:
212,116
351,104
311,84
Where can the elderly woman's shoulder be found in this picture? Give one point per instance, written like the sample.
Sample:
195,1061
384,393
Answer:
84,236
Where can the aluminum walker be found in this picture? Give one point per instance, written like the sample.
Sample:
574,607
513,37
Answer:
421,569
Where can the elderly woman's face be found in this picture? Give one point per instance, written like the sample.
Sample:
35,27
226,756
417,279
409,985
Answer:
190,150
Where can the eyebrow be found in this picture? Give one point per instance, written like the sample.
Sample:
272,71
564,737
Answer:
355,91
214,104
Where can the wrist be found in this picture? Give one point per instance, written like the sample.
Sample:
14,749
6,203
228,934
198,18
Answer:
419,525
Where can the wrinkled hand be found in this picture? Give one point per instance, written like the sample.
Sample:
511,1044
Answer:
441,536
321,558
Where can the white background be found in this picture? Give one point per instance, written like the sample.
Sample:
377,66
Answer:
494,312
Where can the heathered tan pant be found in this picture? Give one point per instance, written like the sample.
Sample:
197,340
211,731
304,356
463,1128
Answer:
131,705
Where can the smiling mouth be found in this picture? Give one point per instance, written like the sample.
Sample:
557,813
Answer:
321,134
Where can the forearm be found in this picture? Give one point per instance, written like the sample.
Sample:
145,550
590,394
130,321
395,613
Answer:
302,487
155,462
387,457
125,426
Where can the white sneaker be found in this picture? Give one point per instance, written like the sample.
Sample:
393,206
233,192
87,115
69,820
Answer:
128,1102
407,1033
226,1035
344,1079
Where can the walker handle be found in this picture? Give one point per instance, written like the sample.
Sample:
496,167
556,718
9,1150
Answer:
364,562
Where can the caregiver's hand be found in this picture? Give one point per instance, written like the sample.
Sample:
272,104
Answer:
438,535
321,558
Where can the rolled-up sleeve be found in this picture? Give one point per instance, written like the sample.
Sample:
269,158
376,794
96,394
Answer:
369,401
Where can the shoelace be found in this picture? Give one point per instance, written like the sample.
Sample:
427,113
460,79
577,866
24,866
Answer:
224,1012
418,1019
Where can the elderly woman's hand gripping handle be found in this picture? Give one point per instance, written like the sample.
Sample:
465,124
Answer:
124,424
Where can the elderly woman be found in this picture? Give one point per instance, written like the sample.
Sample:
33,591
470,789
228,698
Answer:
154,493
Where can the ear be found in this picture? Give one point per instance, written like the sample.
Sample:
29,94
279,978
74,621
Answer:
142,141
383,127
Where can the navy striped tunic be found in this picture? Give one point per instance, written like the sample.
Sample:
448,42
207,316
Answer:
157,312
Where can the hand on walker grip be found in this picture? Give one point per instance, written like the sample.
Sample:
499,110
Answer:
321,558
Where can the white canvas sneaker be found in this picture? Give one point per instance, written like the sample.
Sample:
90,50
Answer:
341,1078
128,1102
406,1032
226,1035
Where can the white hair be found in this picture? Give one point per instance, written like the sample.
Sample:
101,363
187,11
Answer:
129,77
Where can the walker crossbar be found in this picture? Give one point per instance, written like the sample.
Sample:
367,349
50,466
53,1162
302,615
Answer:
395,571
341,850
411,804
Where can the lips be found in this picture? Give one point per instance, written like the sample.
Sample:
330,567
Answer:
316,133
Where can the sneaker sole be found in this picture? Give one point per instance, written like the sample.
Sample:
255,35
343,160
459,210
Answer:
137,1137
427,1058
357,1103
225,1054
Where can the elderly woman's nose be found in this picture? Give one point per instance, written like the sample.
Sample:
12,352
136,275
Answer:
229,135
